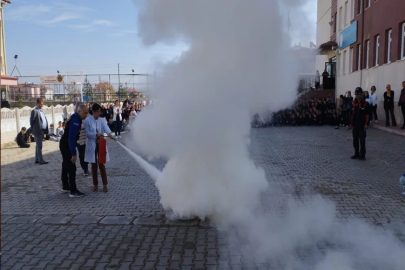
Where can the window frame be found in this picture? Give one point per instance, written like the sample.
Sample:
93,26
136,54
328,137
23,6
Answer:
344,62
360,6
345,14
389,46
352,9
377,50
340,18
359,56
402,40
351,51
367,59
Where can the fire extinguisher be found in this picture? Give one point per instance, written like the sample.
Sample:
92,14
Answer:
102,150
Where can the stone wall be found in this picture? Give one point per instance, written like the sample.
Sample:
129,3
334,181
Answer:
13,120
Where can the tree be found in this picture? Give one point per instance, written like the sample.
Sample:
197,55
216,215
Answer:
20,100
73,91
123,91
105,90
87,89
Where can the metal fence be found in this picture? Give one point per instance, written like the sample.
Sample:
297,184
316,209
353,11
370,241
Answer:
101,88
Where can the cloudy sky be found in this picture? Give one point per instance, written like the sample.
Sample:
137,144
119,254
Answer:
90,36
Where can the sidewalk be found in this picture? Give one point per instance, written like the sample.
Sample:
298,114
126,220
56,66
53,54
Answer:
394,130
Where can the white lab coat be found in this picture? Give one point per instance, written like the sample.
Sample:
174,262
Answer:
115,108
92,126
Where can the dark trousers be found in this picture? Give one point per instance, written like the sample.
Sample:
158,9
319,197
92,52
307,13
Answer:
373,112
103,172
24,145
68,171
359,141
389,111
82,150
403,113
117,127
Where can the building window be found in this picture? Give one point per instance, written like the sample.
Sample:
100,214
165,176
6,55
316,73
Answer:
389,42
340,18
352,9
403,41
351,60
377,49
368,3
367,53
360,6
346,6
344,62
359,57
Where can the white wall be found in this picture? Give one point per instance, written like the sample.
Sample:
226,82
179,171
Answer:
13,120
323,29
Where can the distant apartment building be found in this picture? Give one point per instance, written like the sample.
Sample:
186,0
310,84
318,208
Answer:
30,91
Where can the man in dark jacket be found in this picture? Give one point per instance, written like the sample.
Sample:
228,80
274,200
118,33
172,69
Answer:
22,138
359,122
39,127
401,103
67,147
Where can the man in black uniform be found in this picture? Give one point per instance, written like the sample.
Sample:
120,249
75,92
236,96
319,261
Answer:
359,122
67,147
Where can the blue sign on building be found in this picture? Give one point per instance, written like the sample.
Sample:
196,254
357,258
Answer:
348,36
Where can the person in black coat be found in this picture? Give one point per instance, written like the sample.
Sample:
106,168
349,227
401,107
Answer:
389,106
23,139
359,122
401,103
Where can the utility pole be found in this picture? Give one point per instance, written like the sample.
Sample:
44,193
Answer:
133,81
119,86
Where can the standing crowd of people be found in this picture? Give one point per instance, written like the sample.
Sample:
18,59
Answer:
325,111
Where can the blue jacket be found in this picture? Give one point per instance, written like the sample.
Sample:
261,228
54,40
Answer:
71,134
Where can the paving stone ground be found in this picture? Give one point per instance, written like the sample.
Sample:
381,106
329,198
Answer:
126,228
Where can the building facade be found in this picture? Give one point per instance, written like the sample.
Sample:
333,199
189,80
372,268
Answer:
371,39
326,40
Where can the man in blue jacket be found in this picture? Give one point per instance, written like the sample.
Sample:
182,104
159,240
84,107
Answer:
67,147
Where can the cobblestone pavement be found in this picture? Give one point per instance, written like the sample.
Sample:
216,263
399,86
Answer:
126,229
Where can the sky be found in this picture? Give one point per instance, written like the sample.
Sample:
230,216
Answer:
90,36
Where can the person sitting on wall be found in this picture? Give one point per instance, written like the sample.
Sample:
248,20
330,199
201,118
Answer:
22,139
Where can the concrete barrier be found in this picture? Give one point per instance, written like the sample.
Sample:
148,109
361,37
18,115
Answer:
13,120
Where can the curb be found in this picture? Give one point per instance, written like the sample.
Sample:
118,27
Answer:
399,132
143,221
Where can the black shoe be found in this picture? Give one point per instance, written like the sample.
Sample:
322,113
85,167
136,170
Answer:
65,190
36,162
362,158
337,127
355,157
403,127
86,172
76,194
43,162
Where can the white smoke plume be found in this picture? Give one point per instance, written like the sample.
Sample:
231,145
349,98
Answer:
239,63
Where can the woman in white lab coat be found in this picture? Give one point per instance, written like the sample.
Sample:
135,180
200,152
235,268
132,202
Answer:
117,118
95,127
